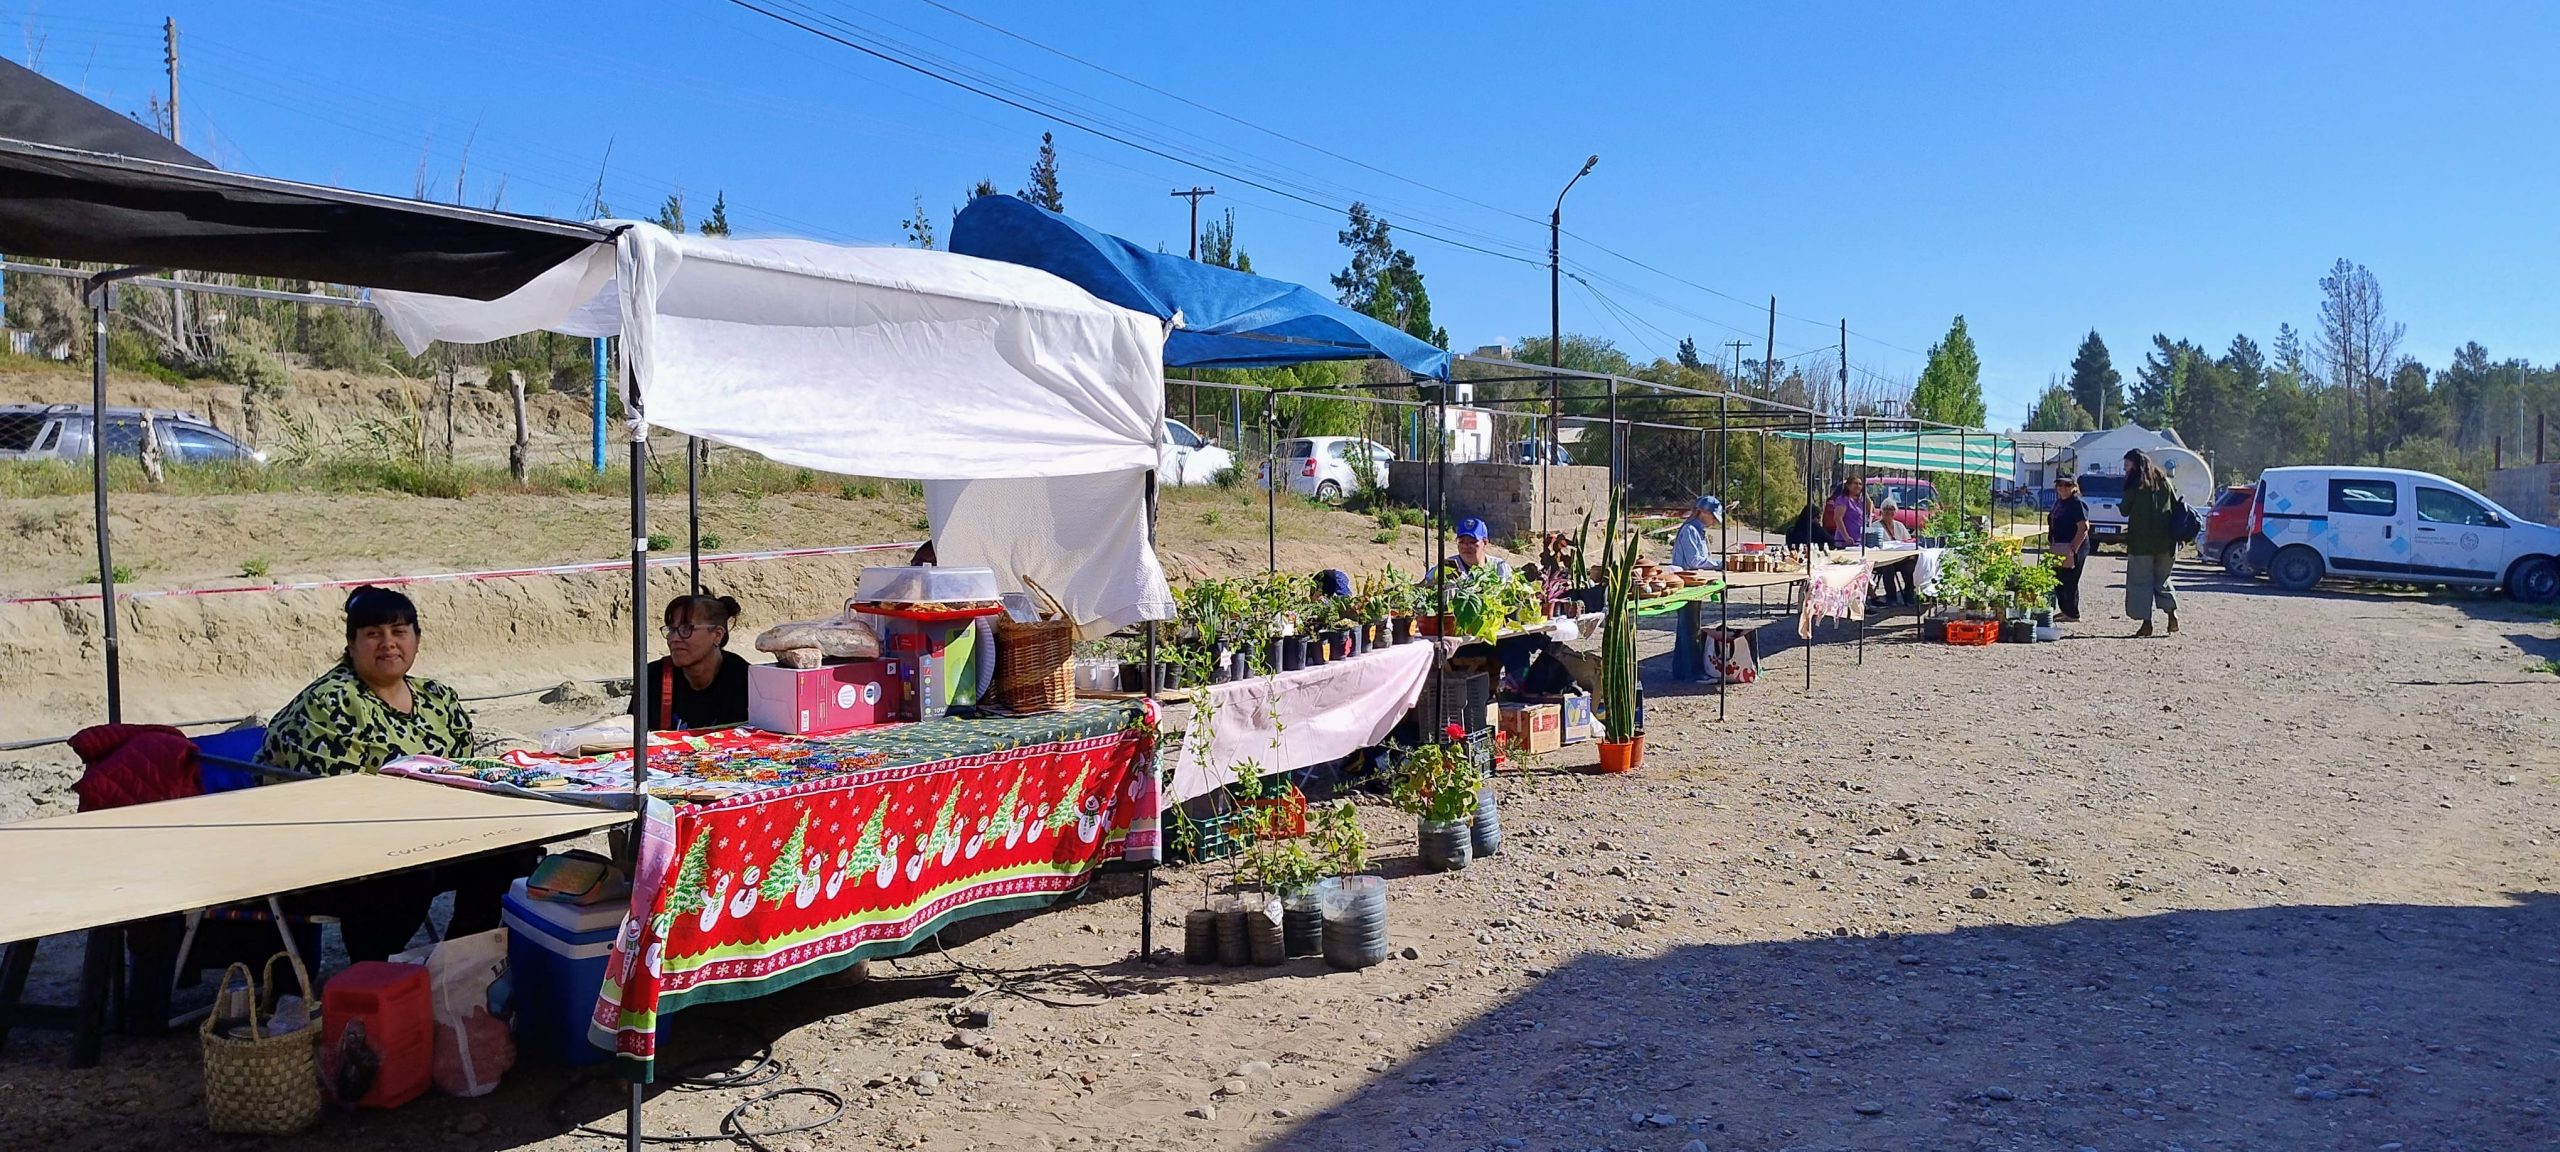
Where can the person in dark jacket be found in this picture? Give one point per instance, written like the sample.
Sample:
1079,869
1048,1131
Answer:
699,683
2066,535
2150,542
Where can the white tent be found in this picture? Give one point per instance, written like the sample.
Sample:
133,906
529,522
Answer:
1031,409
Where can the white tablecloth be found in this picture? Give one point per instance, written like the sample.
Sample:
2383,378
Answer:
1295,719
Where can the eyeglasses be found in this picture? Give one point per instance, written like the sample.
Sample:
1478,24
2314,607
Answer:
686,631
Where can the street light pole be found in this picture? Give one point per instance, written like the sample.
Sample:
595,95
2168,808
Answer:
1555,354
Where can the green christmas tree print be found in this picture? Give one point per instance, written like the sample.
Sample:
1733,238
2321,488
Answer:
783,875
1007,815
866,851
691,891
1068,801
945,833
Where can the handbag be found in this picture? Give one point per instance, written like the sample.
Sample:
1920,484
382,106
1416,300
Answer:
1737,654
2183,522
260,1084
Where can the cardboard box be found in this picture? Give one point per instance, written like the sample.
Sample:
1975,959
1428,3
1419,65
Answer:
831,698
939,662
1534,728
1577,725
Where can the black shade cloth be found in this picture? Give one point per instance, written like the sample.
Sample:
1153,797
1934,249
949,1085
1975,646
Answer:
79,182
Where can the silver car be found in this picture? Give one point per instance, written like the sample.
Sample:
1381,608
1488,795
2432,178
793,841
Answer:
61,432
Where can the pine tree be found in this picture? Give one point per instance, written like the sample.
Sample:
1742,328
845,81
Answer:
1950,387
690,893
2095,383
717,224
2056,411
671,214
1689,354
1218,244
783,874
1043,189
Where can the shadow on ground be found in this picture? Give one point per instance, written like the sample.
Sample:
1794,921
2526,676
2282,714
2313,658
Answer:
2370,1027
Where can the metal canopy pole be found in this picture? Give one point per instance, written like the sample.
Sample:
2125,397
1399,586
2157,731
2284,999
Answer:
1810,480
693,509
1147,878
1862,541
101,299
639,676
1724,545
1271,481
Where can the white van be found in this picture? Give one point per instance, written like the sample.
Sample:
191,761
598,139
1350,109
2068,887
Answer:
2399,526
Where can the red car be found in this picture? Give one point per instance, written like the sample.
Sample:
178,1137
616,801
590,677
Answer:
2226,529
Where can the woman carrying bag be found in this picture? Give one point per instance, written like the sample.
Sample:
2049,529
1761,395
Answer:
2151,538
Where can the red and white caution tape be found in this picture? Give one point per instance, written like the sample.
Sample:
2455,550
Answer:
450,577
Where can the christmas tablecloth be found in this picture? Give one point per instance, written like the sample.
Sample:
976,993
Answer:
920,826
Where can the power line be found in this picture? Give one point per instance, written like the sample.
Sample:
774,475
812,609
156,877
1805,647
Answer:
1081,126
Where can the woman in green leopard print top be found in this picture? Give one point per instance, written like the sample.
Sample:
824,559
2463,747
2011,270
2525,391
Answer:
358,716
368,710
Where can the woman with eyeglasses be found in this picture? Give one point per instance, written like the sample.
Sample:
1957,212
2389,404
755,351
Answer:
699,683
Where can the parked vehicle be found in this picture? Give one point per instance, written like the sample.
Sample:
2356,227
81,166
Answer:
1328,467
1189,458
1914,499
2226,528
2397,526
61,432
2104,495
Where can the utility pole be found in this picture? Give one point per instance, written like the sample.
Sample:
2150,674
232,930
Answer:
1555,359
1194,195
1736,376
1769,356
177,298
1845,410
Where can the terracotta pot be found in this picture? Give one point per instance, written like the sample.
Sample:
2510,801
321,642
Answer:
1622,756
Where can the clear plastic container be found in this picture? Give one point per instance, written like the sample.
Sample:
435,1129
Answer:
921,585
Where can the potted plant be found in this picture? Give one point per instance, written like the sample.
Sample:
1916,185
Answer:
1622,743
1351,903
1438,786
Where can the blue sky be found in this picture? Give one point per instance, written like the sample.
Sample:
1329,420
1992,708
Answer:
2042,169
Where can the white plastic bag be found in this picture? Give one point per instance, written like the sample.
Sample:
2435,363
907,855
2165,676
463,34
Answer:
468,975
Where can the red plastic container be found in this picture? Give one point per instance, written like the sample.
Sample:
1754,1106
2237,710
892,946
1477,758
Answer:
398,1010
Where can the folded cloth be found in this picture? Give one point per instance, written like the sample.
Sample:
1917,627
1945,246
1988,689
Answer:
134,764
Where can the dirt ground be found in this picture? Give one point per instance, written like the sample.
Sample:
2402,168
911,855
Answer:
2283,881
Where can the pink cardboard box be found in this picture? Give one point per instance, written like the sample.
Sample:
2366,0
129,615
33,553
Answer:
813,701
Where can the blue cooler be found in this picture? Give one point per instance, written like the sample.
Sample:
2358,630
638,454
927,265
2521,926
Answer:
557,954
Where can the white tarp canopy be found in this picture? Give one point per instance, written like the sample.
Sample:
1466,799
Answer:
1031,408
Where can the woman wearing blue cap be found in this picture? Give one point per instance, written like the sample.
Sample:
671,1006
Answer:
1472,535
1689,550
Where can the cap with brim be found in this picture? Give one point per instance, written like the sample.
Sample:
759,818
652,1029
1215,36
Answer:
1474,528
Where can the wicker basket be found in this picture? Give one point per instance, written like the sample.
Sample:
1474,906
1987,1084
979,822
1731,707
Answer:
266,1085
1035,662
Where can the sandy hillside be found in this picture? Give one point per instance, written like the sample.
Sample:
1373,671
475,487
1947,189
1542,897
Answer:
2284,881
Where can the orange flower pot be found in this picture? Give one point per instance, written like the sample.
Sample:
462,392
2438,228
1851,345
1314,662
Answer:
1622,756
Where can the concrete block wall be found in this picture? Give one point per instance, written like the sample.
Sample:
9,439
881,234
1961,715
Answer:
1507,497
2531,491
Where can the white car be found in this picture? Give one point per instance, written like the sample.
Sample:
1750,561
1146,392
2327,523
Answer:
2396,526
1328,467
1189,458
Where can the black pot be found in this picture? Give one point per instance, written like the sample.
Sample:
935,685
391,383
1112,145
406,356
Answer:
1399,629
1133,676
1355,921
1592,599
1319,650
1933,630
1346,643
1486,828
1373,636
1200,936
1222,669
1264,943
1239,665
1168,675
1293,652
1274,652
1301,924
1446,847
1233,949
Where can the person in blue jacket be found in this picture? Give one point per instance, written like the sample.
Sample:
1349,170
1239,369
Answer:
1690,548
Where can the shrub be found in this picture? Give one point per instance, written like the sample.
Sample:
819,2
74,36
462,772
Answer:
254,566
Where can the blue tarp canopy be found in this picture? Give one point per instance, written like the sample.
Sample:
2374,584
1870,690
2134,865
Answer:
1230,319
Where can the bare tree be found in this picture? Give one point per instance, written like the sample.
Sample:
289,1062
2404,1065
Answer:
2358,343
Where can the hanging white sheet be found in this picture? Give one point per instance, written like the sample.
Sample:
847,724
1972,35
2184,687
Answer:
1043,404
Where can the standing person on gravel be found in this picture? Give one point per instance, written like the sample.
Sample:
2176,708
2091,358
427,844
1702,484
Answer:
2150,541
2066,535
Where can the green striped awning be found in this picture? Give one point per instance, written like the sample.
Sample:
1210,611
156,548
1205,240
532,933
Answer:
1968,454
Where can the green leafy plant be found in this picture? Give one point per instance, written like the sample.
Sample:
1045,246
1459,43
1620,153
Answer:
1618,686
1383,536
1338,841
254,566
660,542
1438,781
710,540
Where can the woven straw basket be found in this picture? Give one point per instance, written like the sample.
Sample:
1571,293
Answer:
1035,662
269,1085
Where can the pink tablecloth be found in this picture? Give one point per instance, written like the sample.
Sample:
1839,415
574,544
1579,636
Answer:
1294,719
1835,590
